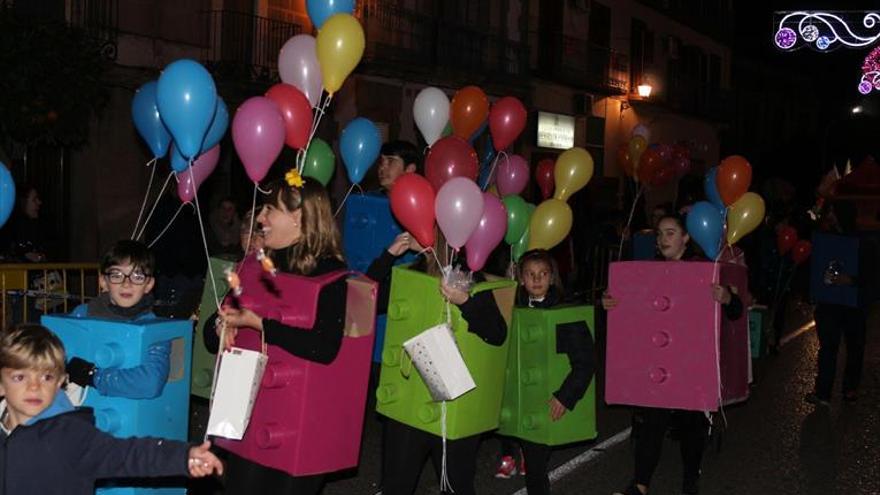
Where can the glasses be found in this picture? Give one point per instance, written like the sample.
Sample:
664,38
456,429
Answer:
117,277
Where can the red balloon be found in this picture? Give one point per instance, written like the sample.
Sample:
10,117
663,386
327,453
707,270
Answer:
412,203
680,151
662,176
624,159
507,119
544,177
665,152
297,113
733,179
468,111
649,164
801,251
450,157
786,238
681,165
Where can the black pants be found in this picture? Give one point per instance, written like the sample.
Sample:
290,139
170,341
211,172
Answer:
833,322
245,477
406,449
649,429
536,457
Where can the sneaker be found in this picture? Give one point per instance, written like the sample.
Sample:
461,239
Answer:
507,468
812,398
522,465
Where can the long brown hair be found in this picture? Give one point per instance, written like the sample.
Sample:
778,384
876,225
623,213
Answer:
320,235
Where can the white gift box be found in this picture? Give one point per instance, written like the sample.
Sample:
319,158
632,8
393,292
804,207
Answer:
237,385
435,354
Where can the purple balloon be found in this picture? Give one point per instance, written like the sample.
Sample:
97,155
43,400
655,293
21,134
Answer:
202,167
298,66
458,207
258,135
488,234
512,175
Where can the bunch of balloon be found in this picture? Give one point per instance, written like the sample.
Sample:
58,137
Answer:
552,219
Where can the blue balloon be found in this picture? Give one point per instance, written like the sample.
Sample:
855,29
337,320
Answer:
218,126
479,132
187,99
7,194
710,186
145,114
705,224
178,161
321,10
360,144
486,164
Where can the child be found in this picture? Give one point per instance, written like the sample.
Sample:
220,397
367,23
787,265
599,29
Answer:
126,281
49,447
540,287
650,423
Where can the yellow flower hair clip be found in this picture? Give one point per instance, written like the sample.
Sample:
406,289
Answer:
293,178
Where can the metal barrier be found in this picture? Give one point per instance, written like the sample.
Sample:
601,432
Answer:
29,290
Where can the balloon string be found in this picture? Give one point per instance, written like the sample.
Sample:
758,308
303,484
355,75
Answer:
146,197
344,199
155,204
316,121
150,245
628,222
258,188
204,238
300,161
247,247
492,169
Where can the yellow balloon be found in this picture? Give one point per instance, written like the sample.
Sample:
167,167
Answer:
744,216
573,170
637,146
550,223
339,46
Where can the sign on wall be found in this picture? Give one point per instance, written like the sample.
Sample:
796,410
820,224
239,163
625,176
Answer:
555,131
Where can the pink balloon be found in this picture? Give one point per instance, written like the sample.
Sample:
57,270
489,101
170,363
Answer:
298,66
488,234
458,207
258,134
202,167
512,175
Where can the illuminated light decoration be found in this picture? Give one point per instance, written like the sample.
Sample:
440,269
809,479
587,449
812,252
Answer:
824,30
870,72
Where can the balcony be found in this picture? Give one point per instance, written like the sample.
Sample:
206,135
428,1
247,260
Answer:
584,65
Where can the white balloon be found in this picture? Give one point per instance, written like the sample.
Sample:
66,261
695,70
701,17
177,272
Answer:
431,112
298,66
642,130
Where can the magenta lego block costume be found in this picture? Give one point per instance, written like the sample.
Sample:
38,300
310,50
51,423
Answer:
669,344
308,416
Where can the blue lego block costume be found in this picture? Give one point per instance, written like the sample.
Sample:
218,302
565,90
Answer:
369,228
115,345
834,252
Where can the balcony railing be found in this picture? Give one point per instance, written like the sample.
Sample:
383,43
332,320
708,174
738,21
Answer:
100,19
245,46
585,65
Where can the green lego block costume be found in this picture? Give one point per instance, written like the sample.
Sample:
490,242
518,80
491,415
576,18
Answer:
415,304
535,370
203,361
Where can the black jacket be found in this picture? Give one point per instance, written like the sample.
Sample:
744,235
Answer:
65,454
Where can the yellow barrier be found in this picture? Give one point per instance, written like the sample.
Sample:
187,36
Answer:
42,288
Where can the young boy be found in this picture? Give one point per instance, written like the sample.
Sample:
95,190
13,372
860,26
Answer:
49,447
126,281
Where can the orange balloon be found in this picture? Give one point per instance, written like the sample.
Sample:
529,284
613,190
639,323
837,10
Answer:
468,110
733,179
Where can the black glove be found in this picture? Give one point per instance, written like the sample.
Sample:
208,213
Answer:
81,372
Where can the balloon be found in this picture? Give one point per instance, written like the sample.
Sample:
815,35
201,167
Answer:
296,112
486,164
664,151
649,164
663,176
7,194
521,246
786,238
412,203
637,146
488,234
801,251
468,110
298,66
544,176
512,175
642,131
705,226
450,157
517,218
734,178
625,160
145,114
178,162
431,113
187,99
681,165
479,132
507,119
710,187
459,207
550,223
744,216
202,167
320,161
574,168
218,126
321,10
340,46
258,135
359,144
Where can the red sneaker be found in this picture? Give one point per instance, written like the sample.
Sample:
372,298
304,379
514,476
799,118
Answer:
507,468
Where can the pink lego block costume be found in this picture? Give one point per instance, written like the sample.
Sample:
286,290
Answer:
308,417
669,344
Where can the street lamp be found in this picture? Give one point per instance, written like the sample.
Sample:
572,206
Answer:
857,109
644,90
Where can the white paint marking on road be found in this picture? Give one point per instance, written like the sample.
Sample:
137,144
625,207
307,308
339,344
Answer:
797,333
584,458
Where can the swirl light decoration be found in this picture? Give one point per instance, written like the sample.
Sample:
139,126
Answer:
870,72
825,31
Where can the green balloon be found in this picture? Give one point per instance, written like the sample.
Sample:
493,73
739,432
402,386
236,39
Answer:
320,162
521,246
447,131
517,218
